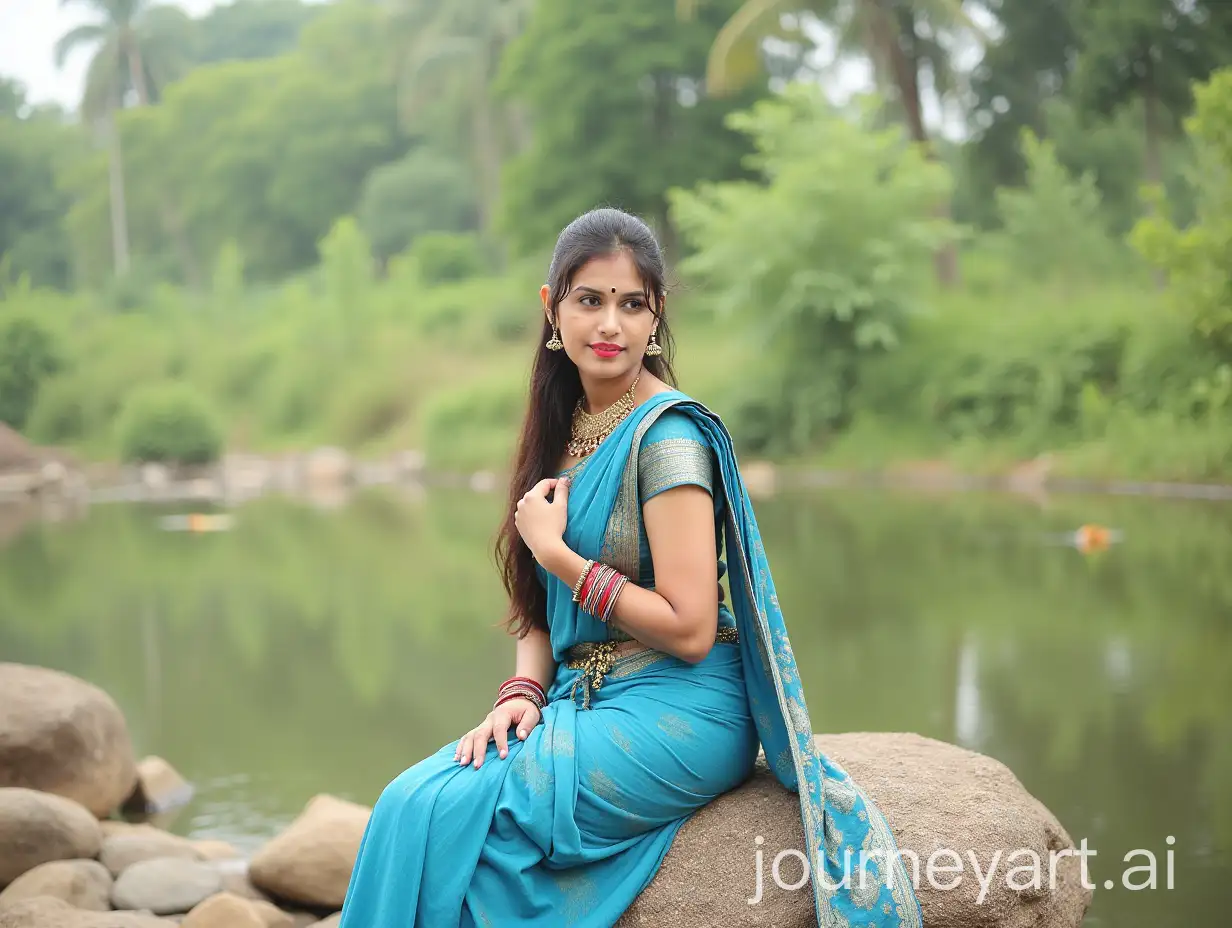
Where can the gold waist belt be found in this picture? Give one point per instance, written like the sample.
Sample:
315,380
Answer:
596,658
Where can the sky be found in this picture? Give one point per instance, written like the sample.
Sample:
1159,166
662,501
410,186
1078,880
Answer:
29,30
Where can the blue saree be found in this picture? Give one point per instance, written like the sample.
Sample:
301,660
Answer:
575,822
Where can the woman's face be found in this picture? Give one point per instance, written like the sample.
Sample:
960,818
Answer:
604,319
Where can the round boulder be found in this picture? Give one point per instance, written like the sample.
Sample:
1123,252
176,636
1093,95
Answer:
37,827
47,912
83,884
310,862
124,847
59,734
165,886
938,799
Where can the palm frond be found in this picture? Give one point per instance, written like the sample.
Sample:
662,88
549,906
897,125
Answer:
735,56
86,34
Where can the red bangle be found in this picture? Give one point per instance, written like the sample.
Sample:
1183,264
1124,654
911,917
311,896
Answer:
591,576
605,594
530,680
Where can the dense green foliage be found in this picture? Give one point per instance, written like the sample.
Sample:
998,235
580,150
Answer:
170,424
334,219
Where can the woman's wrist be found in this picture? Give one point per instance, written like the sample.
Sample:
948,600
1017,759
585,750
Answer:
563,562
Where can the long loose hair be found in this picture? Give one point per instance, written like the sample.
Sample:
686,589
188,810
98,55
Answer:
556,386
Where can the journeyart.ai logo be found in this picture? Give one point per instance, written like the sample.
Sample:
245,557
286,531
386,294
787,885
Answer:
946,869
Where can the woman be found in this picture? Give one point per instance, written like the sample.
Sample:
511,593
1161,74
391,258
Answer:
639,695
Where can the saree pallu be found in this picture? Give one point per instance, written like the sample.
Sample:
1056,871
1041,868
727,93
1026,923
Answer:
574,823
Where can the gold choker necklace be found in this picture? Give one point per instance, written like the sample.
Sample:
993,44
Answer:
589,429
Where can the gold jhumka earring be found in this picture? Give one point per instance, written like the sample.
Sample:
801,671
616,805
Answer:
654,349
554,343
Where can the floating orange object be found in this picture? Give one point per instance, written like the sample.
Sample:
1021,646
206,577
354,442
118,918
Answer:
1091,538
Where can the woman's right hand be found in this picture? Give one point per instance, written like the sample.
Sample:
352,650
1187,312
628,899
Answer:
520,712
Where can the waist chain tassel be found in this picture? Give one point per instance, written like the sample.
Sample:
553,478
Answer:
596,664
596,658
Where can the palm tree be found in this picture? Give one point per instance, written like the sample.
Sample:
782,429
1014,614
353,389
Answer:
133,52
456,49
902,38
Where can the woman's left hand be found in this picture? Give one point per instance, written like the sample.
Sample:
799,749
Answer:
541,523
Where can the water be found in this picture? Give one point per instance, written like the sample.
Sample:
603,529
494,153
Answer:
312,651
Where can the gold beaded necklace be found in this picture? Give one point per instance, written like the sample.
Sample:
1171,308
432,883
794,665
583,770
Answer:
589,429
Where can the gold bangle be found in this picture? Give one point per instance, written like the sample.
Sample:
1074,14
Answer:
577,587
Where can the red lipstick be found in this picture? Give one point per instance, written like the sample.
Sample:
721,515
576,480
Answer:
605,350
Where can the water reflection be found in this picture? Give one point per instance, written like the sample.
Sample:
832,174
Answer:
308,650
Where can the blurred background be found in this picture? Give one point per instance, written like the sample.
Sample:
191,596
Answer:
957,275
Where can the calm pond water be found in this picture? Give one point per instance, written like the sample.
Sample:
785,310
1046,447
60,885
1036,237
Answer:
315,651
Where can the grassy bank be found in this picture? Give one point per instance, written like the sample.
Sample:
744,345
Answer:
1104,378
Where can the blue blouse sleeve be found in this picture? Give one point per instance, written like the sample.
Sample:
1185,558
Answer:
674,452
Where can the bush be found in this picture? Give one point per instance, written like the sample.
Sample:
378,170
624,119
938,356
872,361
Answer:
1055,225
475,425
28,356
58,418
823,260
169,423
1030,367
444,257
1198,259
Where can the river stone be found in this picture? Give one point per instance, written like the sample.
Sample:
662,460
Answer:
46,912
934,795
123,848
310,862
302,919
165,885
37,827
83,884
226,910
62,735
237,882
159,787
214,849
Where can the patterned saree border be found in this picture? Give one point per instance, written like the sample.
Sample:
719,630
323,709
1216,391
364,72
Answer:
810,776
620,538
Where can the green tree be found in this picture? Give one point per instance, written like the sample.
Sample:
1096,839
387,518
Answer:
423,192
615,92
1028,65
824,260
34,143
132,50
904,39
1054,225
28,356
1149,51
248,29
454,53
1198,259
266,153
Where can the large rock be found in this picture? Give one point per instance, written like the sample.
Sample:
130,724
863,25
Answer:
62,735
310,862
83,884
124,847
46,912
165,886
934,795
37,827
